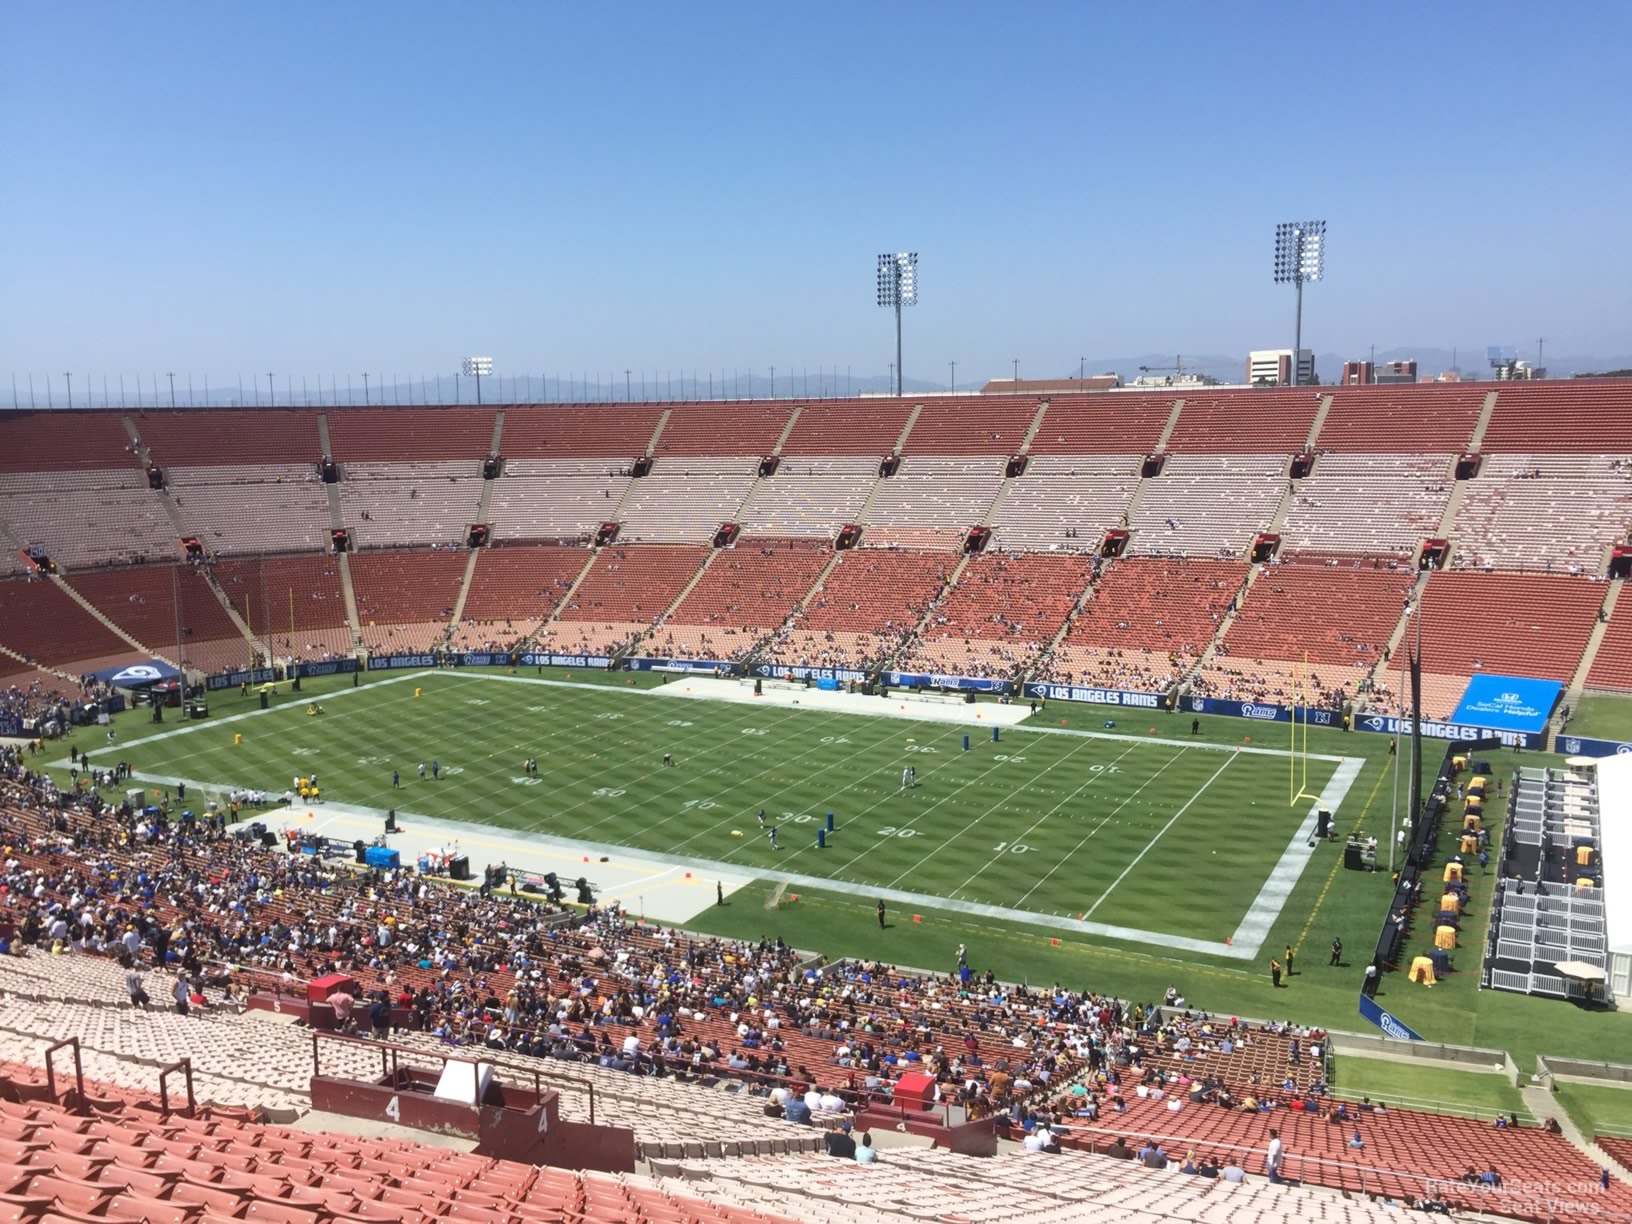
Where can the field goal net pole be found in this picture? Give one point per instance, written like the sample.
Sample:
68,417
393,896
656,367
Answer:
1298,759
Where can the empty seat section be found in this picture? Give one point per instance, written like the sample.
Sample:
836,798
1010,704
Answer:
260,508
1146,622
875,596
223,436
1557,512
41,621
633,583
1066,501
1207,505
64,441
849,427
972,425
1612,666
157,603
294,604
810,497
1309,628
1002,610
617,433
723,429
422,503
395,435
81,518
555,499
1376,505
1114,423
946,496
404,599
1427,418
1504,624
513,589
685,499
1242,422
745,592
1554,416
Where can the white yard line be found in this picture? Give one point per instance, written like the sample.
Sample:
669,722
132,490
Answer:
1004,801
1089,912
1272,897
1104,820
1040,820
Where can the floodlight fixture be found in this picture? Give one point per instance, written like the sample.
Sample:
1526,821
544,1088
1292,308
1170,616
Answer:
1300,255
477,368
898,287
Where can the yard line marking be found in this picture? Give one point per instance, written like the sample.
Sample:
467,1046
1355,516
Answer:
1000,803
1089,912
909,824
1022,837
1104,820
1272,897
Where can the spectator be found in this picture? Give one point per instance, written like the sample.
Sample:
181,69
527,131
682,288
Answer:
839,1143
866,1153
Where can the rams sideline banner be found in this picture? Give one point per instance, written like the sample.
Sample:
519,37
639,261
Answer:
387,662
1392,1026
1387,724
232,679
531,659
1575,745
698,667
978,684
329,667
777,671
1095,696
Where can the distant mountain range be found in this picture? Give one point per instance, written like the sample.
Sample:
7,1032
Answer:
825,385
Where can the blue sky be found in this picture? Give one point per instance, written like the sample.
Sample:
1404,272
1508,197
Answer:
320,187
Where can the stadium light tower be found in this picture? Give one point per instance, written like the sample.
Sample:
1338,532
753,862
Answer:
477,368
898,287
1300,255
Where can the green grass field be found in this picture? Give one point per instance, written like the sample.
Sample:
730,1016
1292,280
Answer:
1602,716
1598,1110
1109,828
1485,1093
1167,843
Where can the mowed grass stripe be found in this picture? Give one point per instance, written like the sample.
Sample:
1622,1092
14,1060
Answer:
1083,807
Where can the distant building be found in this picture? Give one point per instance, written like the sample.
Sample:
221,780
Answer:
1517,371
1051,386
1273,367
1163,382
1358,374
1396,372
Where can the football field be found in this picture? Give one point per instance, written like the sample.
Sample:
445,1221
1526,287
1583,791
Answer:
1142,832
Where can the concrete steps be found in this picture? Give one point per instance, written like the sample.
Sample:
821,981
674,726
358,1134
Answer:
1316,424
792,618
906,430
1400,626
929,612
787,430
1036,424
350,593
67,588
1583,669
1485,413
1224,623
527,642
464,593
323,435
1047,653
1172,424
232,613
687,589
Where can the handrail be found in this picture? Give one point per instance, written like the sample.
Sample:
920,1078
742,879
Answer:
391,1062
50,1069
185,1066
